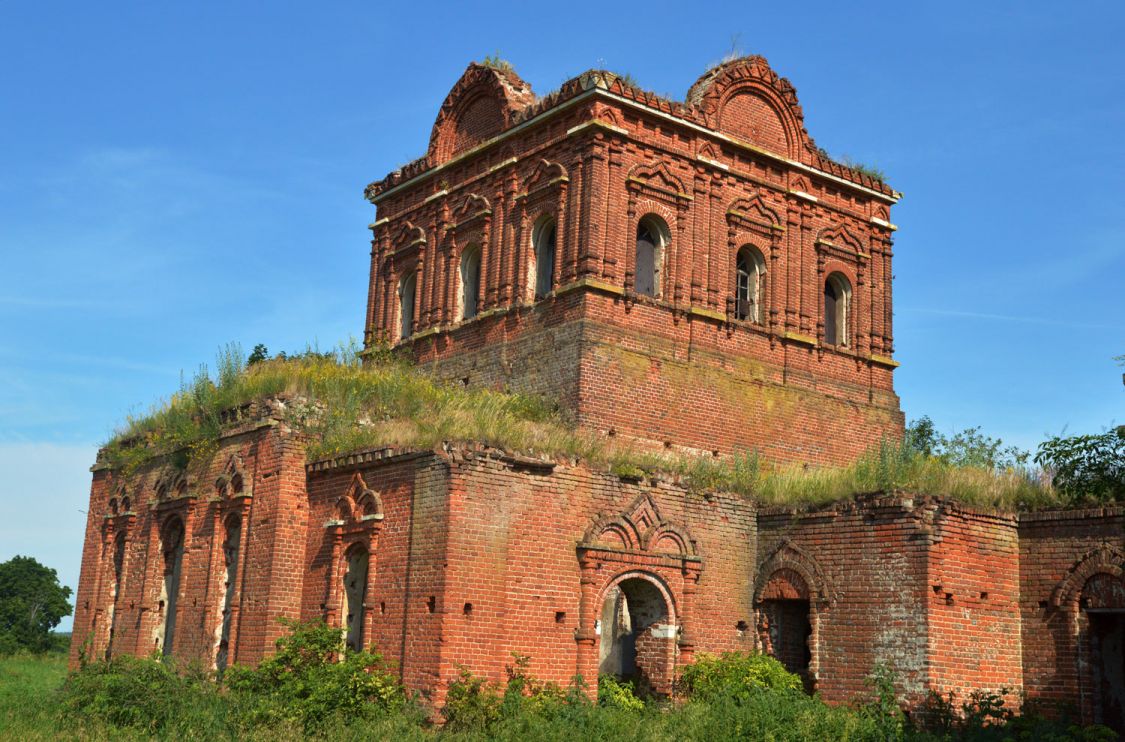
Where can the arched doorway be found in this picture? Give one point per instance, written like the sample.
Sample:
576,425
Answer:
785,625
355,592
637,633
1103,605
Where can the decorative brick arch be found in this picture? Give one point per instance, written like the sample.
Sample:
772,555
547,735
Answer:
750,79
1103,560
483,103
1096,582
641,543
357,523
791,574
789,556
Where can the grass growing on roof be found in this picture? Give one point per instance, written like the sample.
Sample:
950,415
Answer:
345,405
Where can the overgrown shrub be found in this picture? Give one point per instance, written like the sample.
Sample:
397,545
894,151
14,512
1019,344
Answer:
736,676
310,678
618,694
145,695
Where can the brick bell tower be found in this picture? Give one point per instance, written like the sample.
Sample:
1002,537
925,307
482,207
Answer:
694,275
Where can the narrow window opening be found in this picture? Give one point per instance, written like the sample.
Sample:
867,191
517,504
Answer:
651,241
406,291
468,609
230,556
560,616
172,546
544,258
749,268
431,604
837,297
355,590
470,282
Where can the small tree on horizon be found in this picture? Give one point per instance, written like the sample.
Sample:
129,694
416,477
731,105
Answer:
32,602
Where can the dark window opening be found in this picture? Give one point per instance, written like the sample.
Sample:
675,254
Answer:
406,306
648,249
470,283
544,258
1107,652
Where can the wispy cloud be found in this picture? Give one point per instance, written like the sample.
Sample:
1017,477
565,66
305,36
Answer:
1031,320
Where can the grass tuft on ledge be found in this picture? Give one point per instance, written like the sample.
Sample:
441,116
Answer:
345,405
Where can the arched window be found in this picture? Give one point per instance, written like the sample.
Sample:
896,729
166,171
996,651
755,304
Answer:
837,309
118,574
355,591
406,291
470,282
172,547
230,556
652,238
543,241
749,271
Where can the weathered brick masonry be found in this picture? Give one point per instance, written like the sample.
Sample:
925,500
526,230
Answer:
693,275
724,324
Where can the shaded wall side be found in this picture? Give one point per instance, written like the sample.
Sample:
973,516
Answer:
1053,548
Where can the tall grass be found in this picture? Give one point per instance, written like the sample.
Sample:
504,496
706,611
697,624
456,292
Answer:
344,405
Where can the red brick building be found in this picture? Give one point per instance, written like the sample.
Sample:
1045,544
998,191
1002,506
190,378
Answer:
695,275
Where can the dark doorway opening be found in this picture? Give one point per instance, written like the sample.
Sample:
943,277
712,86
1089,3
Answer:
788,633
636,635
1107,654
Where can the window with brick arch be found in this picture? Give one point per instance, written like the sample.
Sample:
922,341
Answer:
172,547
470,282
652,238
837,309
544,248
750,269
406,291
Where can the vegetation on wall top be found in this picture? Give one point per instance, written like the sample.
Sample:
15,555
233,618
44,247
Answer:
343,405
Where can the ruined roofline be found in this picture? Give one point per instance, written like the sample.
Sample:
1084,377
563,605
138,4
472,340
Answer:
524,109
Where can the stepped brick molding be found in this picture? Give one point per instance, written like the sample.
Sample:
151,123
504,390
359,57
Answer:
693,275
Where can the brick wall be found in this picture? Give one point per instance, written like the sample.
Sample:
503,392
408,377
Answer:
1064,555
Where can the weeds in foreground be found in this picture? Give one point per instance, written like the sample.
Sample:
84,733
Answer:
307,691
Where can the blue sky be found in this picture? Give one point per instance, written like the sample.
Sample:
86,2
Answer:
176,177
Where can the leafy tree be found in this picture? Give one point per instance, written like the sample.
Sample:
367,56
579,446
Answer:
259,354
1086,467
32,602
969,447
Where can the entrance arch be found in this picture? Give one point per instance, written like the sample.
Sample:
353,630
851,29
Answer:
637,631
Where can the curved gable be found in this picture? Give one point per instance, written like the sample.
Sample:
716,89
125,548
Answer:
483,103
747,99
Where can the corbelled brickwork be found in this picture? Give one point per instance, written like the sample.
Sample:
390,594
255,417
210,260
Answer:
673,348
689,275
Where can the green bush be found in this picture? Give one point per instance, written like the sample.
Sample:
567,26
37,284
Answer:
471,703
310,678
736,676
618,694
144,695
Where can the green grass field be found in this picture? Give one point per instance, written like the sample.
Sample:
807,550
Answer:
28,696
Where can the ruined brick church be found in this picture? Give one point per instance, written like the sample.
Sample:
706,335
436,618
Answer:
695,276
